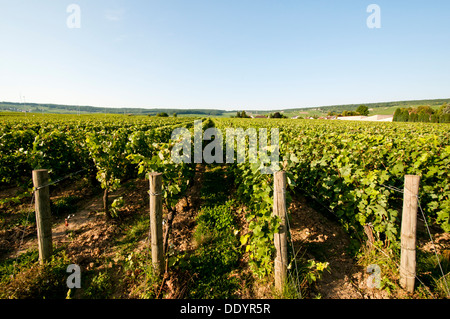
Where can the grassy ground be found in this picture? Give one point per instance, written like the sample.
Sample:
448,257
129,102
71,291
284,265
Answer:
217,251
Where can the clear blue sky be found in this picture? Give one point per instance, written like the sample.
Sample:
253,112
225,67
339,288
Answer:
225,54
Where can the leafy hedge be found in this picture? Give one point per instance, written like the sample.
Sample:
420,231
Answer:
354,168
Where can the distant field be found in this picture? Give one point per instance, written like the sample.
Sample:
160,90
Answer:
383,108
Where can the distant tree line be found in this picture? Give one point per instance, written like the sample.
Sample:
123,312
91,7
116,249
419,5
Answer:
38,107
277,115
241,115
360,110
423,113
351,107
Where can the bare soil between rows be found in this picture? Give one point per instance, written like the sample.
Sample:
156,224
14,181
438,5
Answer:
323,239
88,237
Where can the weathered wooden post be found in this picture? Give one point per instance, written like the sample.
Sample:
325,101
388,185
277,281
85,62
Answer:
43,214
156,229
408,233
280,238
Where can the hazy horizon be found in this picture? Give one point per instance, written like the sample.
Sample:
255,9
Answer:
231,110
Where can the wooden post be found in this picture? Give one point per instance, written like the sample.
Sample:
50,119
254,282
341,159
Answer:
43,214
156,230
280,238
408,233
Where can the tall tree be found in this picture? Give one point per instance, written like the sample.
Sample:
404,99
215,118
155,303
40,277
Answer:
363,110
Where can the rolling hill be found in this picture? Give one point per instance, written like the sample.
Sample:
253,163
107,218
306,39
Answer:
375,108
